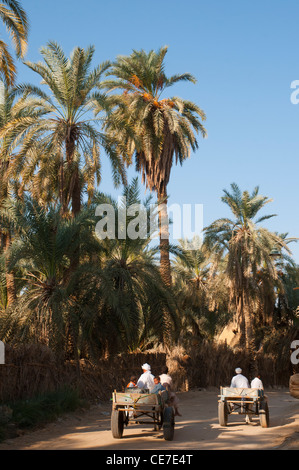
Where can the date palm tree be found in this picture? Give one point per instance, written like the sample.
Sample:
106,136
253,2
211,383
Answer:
15,20
67,130
157,131
113,301
246,248
12,108
201,296
42,251
139,302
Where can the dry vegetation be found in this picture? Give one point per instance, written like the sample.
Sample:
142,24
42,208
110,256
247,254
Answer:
32,370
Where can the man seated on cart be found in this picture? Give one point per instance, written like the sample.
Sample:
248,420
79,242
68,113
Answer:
239,380
257,383
146,380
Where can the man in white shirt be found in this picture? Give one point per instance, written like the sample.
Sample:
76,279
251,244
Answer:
146,380
239,380
257,383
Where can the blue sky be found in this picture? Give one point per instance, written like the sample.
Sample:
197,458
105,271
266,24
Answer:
244,55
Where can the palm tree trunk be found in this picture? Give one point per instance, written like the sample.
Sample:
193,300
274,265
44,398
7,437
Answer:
165,268
75,187
10,280
164,259
76,194
249,337
62,192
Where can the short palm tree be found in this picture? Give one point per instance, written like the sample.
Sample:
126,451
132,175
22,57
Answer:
139,302
285,266
157,131
201,297
15,20
247,249
67,130
42,251
113,300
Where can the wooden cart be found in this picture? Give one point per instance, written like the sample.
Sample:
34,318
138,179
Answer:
141,407
247,401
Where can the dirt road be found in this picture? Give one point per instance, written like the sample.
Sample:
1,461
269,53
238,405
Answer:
197,429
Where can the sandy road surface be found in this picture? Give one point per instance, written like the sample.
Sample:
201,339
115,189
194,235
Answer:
197,429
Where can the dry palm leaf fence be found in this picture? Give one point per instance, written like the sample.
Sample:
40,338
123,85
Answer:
32,370
211,365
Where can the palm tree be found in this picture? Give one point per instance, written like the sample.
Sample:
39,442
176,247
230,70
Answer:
201,296
288,305
15,20
247,249
140,304
6,111
286,267
12,108
67,131
155,130
113,301
42,251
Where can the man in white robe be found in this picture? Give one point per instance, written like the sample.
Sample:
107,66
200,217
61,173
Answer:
239,380
146,380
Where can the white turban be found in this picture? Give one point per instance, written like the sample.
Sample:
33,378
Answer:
146,367
238,370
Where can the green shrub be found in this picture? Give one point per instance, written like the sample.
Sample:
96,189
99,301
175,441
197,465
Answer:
45,408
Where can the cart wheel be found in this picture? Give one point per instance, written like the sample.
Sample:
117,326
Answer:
264,416
168,423
222,413
117,423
